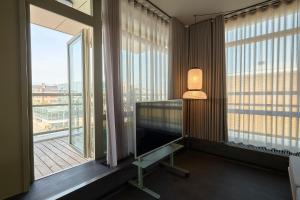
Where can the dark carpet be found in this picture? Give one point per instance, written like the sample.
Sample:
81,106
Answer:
212,178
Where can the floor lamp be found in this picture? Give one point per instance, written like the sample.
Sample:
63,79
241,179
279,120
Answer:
194,92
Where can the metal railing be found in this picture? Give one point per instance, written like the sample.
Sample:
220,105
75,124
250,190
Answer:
51,100
50,112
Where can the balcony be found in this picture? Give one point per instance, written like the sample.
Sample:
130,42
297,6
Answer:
52,149
55,155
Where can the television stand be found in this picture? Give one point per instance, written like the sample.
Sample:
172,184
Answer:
149,159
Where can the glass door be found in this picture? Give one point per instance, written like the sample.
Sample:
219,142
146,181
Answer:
77,101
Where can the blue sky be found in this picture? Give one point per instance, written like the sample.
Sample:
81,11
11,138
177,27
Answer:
48,55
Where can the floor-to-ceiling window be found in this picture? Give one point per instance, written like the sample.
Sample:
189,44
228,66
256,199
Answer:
263,77
144,60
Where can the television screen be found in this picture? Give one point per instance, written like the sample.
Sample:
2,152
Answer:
157,124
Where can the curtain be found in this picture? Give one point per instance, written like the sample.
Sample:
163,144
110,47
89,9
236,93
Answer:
263,77
144,70
111,58
207,118
178,59
178,63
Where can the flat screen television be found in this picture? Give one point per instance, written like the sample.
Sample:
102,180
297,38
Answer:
157,124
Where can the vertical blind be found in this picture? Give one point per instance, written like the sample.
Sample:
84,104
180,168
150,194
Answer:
144,61
263,77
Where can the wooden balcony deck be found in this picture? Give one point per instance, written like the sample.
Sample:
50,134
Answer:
54,155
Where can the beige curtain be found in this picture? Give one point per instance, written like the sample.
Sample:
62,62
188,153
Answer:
135,58
111,61
207,118
178,62
144,62
263,75
178,59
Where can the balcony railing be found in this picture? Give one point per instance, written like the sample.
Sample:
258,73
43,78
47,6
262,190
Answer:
50,112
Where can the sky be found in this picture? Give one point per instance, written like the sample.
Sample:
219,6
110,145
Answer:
49,55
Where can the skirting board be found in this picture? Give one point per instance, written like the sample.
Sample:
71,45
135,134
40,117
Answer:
248,156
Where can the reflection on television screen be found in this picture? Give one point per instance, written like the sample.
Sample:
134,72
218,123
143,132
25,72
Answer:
157,124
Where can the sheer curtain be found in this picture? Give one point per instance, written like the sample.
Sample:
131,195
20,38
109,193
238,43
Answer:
144,62
263,77
111,65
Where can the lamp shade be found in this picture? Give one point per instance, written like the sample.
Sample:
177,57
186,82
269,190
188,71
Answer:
194,85
194,95
195,79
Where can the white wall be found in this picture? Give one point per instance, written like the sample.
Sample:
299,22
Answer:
10,101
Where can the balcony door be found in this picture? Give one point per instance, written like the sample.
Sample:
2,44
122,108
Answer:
78,67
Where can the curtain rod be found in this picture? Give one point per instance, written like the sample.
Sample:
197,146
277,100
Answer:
258,5
155,6
230,13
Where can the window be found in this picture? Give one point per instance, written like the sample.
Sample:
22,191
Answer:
144,59
263,77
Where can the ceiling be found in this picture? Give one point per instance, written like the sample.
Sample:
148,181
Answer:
185,9
57,22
